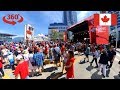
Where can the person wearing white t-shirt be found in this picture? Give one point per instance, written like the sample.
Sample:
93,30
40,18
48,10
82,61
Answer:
5,54
26,54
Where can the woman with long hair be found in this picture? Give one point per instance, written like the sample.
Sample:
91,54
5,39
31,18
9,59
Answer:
70,65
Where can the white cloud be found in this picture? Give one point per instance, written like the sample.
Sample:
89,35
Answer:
4,31
18,36
53,16
81,15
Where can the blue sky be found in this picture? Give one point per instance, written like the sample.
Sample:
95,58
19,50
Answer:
40,20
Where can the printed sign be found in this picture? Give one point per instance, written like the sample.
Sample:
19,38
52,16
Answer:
29,32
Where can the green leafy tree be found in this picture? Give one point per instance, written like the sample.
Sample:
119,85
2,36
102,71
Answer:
61,35
55,35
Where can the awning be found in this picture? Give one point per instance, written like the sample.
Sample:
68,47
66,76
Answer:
79,27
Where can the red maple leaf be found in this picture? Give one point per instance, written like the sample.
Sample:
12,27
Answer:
105,19
29,32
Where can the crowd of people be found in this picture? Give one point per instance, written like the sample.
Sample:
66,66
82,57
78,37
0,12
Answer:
27,60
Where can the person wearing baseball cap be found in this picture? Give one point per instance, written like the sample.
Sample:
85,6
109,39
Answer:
19,57
22,68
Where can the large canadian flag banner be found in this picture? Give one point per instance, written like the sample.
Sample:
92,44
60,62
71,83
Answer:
105,19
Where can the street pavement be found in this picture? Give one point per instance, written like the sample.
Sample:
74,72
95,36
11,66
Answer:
82,71
118,50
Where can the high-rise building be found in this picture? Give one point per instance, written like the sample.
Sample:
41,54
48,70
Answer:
69,17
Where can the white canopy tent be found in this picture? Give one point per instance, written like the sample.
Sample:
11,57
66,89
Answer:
41,37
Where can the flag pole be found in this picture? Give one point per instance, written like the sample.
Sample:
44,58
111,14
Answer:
116,35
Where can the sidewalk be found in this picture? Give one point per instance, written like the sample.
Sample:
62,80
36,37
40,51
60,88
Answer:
118,50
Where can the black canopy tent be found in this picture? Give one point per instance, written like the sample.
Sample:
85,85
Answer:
80,31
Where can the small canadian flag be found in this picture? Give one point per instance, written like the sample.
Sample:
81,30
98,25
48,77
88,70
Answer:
105,19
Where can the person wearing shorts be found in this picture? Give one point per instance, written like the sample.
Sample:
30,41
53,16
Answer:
39,58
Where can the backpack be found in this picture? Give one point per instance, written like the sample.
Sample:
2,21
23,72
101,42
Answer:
56,53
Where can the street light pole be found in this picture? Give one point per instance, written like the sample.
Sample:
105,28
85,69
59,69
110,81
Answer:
116,36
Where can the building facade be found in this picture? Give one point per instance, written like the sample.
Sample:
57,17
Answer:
113,28
69,17
6,37
60,28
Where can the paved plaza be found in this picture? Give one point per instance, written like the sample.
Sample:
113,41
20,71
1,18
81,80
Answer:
82,71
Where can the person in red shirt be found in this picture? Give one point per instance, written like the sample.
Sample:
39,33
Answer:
70,65
22,68
1,66
62,48
46,52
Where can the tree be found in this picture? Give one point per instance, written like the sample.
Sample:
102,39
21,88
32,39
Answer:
61,35
55,35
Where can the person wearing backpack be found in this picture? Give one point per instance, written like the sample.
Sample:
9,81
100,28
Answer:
57,55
